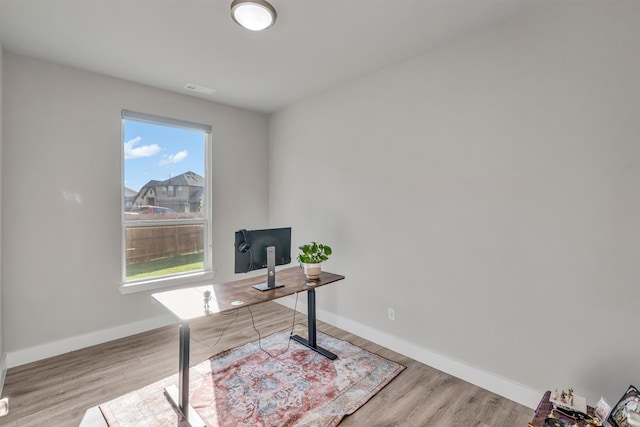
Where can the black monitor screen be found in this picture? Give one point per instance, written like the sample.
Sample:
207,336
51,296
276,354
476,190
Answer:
251,248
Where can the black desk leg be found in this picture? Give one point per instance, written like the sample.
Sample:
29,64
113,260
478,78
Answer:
183,366
311,321
180,396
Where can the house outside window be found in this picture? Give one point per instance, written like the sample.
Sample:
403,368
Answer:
166,234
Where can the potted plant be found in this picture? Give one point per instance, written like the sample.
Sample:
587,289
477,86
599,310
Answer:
311,257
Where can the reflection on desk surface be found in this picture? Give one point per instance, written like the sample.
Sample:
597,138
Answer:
189,303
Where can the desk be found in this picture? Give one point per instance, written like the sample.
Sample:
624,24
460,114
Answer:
189,303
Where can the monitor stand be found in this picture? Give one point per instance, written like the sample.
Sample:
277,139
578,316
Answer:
271,272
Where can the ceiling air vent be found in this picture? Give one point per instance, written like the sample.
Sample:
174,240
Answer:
198,88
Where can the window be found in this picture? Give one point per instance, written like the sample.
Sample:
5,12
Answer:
166,235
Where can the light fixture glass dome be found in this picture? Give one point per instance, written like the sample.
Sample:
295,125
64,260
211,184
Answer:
254,15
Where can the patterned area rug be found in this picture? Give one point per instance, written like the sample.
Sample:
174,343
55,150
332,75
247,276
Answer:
296,387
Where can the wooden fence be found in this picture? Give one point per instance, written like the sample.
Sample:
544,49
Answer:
145,243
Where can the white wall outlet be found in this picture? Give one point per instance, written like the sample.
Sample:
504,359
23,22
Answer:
391,313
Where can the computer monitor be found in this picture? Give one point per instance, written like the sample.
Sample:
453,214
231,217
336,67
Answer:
257,249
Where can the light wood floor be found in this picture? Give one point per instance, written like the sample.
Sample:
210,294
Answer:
59,391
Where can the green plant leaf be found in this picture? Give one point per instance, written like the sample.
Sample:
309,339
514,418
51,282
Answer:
314,253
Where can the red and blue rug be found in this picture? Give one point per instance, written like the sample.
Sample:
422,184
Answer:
246,387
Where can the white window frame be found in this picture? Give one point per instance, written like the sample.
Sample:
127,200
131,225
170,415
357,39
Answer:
183,278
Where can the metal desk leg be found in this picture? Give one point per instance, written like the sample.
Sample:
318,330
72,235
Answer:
180,396
183,366
311,321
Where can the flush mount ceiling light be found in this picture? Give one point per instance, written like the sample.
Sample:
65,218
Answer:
254,15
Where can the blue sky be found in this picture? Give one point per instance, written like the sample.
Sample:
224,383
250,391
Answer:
159,152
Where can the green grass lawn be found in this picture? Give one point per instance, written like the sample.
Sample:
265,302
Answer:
164,266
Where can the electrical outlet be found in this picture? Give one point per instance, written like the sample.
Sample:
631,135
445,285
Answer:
391,313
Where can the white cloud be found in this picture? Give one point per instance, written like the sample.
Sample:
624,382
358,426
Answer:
174,158
131,152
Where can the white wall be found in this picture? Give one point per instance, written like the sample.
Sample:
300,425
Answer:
62,257
488,191
2,352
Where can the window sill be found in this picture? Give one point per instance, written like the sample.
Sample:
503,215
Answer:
167,282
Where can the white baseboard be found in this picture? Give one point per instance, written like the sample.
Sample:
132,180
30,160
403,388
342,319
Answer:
3,371
494,383
487,380
56,348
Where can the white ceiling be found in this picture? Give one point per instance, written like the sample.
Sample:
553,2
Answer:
315,44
